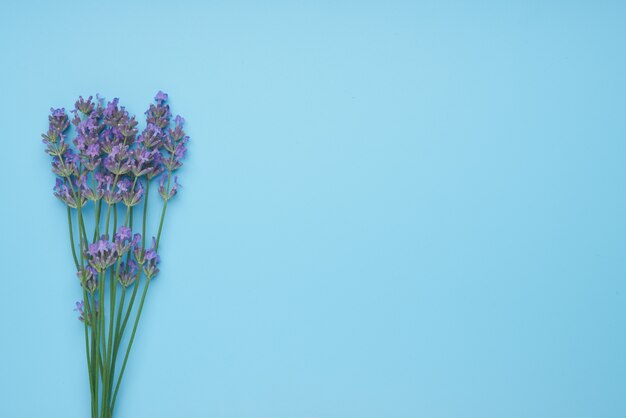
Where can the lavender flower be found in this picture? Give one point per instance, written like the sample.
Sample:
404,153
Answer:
151,260
177,133
120,127
88,278
174,144
63,193
122,240
79,308
118,161
65,164
159,114
104,162
174,162
83,317
123,233
58,121
93,193
160,97
127,273
84,106
54,148
102,254
145,161
128,129
132,192
109,194
108,140
138,251
164,184
87,139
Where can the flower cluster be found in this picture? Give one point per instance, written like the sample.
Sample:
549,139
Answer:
110,159
105,253
110,162
82,315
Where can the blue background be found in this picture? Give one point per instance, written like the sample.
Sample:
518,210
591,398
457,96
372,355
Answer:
392,209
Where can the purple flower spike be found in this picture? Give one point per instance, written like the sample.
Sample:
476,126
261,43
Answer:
123,233
137,250
177,133
61,168
89,192
118,161
151,260
127,273
79,308
111,112
120,127
130,196
88,278
63,193
109,194
84,106
106,159
145,162
122,240
174,144
102,254
159,115
83,316
160,97
151,137
175,187
58,120
163,187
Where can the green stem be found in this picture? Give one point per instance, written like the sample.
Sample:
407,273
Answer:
92,360
96,344
167,189
96,229
161,225
130,307
85,319
116,336
86,308
130,343
145,216
143,296
106,230
69,222
102,341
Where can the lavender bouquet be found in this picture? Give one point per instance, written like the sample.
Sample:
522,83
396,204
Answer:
101,179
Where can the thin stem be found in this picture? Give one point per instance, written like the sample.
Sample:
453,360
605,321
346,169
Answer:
92,363
90,313
106,230
169,177
69,222
96,229
100,313
130,342
160,225
145,215
116,336
83,231
130,306
143,296
85,319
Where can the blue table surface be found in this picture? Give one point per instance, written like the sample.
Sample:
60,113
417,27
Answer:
388,210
